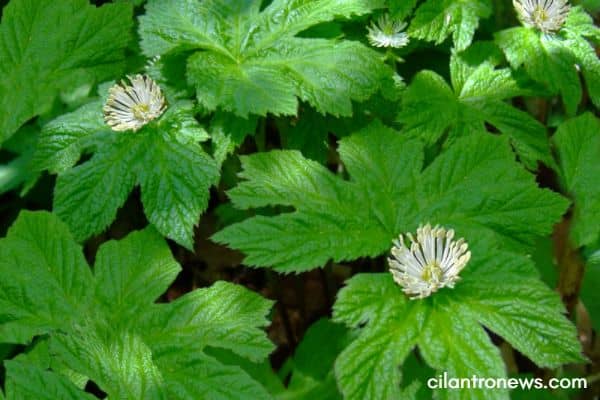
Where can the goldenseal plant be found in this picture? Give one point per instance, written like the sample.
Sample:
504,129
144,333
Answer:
469,188
387,33
105,326
131,146
248,60
129,107
435,20
433,109
556,49
433,261
413,183
388,192
546,15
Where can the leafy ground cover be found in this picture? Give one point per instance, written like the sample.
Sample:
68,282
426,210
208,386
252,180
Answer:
298,199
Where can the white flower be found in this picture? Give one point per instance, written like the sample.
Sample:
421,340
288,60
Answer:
152,62
387,33
546,15
433,261
133,106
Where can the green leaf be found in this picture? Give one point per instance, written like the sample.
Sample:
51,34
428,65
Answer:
164,158
367,368
428,117
106,327
400,9
228,132
132,273
435,20
309,373
386,166
17,172
306,387
44,279
578,144
554,60
456,344
224,315
324,202
40,356
319,347
49,46
519,308
288,18
25,381
546,60
20,172
63,139
431,108
88,196
261,372
302,241
307,133
175,181
499,290
252,62
202,377
589,294
579,27
122,365
475,185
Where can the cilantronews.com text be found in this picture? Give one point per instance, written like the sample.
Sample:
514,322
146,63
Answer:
444,381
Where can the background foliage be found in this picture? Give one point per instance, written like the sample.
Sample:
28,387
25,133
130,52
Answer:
236,247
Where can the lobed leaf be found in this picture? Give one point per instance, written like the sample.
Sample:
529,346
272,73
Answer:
224,315
202,377
432,109
63,139
175,179
107,329
251,61
578,145
554,60
132,273
25,381
165,159
88,196
475,185
44,279
42,54
121,364
435,20
499,290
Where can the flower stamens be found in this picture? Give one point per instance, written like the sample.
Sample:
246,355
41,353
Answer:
546,15
130,107
387,33
432,262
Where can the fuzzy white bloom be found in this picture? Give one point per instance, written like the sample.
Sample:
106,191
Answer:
152,62
387,33
546,15
432,262
129,107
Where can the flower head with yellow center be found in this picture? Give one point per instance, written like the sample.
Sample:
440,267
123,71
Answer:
131,106
387,33
546,15
432,262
